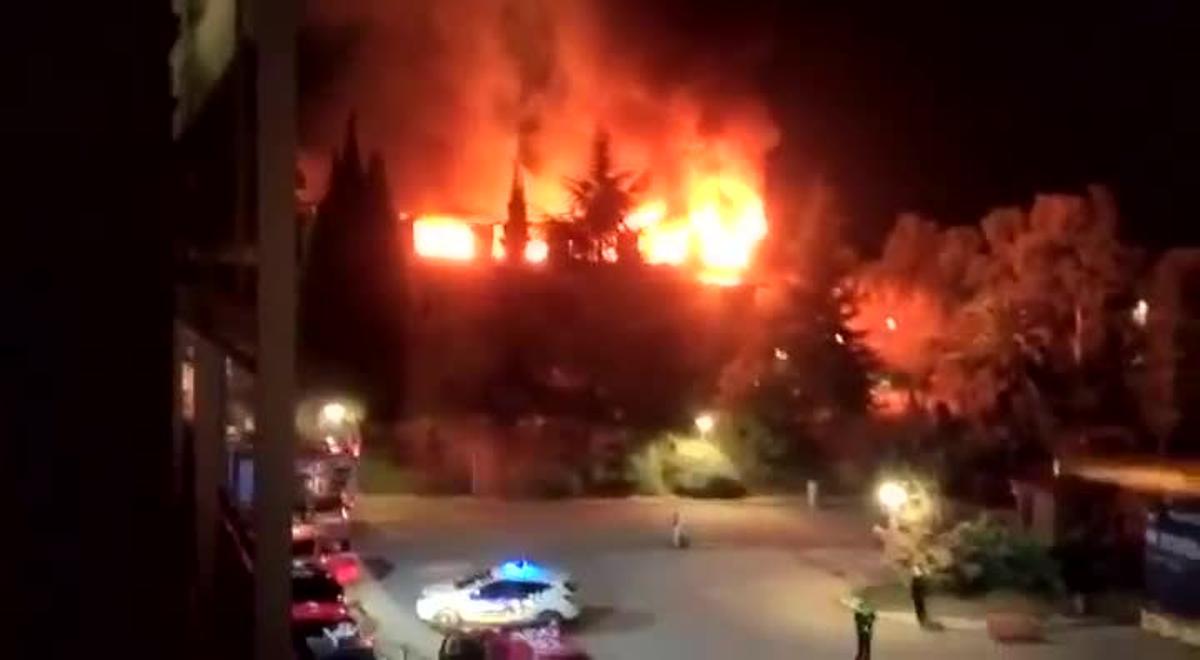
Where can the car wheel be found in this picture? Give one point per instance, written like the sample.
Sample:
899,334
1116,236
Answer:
550,617
447,620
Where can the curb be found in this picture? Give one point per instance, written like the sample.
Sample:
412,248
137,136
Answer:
1055,622
1170,627
948,622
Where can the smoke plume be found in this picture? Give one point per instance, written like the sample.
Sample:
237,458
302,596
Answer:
451,92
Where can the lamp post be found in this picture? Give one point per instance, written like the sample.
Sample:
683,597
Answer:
892,495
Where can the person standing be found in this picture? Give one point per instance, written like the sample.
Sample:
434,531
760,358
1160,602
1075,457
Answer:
917,591
864,627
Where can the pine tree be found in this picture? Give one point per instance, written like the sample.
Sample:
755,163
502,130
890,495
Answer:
351,295
602,200
808,362
516,228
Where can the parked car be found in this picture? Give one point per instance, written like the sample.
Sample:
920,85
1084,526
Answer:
328,515
332,555
311,583
512,594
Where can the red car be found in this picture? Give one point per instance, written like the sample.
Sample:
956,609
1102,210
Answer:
310,547
309,611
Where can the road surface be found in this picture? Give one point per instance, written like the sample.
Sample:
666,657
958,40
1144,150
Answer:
761,581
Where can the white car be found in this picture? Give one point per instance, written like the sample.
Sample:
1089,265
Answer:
515,593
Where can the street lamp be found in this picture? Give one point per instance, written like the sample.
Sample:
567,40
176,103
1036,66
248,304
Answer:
333,413
1141,312
892,495
705,423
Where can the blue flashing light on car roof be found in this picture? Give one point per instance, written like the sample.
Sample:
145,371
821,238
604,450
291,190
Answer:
521,569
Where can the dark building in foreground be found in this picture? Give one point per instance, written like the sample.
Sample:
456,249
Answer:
95,560
136,149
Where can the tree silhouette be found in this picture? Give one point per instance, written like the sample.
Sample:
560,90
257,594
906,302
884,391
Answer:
516,227
351,298
601,202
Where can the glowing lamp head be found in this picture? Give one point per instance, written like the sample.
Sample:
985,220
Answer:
892,495
1141,312
334,413
705,422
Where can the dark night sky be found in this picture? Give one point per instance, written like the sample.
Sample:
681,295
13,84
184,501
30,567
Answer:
949,113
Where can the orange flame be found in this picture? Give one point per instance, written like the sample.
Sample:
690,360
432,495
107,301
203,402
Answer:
723,225
719,231
443,237
536,249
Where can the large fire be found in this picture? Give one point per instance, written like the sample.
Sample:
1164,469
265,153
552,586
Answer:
444,237
716,233
535,82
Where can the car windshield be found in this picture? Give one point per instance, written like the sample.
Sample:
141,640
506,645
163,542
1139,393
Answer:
473,578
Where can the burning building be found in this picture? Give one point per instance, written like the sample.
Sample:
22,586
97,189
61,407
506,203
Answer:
587,245
539,82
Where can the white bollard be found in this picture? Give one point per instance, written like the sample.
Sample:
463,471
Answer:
679,539
813,493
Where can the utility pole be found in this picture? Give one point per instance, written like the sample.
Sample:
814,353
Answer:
273,27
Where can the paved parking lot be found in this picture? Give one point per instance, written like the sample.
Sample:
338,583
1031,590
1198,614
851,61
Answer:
761,582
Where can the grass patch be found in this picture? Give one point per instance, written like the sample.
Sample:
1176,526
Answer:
379,476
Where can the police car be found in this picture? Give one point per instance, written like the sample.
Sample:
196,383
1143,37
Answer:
515,593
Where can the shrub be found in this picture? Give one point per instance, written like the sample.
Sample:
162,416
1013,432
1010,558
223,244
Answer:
696,467
542,482
988,555
718,487
611,475
448,483
646,472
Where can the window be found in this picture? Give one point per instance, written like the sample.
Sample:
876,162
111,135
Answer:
502,590
532,588
464,582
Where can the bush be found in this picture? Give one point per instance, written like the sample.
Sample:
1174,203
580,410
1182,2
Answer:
990,556
611,476
450,483
646,472
718,487
545,482
378,475
698,468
